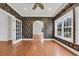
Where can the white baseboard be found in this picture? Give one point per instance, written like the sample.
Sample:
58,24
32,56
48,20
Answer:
16,41
28,40
21,40
4,40
48,39
70,49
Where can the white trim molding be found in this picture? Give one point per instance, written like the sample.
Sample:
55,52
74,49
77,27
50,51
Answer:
65,46
22,40
48,39
29,40
70,49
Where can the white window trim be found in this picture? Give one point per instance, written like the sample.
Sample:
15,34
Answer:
61,19
77,24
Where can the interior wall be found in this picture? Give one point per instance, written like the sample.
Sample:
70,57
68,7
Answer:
3,27
4,7
9,27
66,9
7,8
27,26
27,22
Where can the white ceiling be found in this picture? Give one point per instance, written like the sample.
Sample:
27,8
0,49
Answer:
29,12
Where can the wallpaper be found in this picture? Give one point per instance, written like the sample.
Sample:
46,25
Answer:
27,22
67,8
27,25
7,8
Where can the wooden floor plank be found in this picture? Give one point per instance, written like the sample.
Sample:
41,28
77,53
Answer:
32,48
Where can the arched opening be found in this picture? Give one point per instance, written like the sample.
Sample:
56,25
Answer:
38,30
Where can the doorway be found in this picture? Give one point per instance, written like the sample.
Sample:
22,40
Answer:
38,30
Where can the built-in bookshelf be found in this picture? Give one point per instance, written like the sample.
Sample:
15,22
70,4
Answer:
18,29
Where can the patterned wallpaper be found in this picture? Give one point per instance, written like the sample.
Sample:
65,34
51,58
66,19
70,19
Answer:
67,8
28,26
27,23
7,8
63,11
71,45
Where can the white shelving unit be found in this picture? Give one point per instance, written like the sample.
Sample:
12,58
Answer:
17,30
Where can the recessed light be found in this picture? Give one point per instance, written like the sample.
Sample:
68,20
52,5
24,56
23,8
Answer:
49,9
25,9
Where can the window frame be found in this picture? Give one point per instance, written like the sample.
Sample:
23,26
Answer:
63,18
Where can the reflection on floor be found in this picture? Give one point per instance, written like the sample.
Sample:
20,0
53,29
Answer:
32,48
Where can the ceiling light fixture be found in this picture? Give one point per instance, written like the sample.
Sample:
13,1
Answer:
49,9
38,5
25,9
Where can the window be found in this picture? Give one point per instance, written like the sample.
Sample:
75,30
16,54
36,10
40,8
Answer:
64,27
67,28
59,29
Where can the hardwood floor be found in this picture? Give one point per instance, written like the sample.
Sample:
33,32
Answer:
33,48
